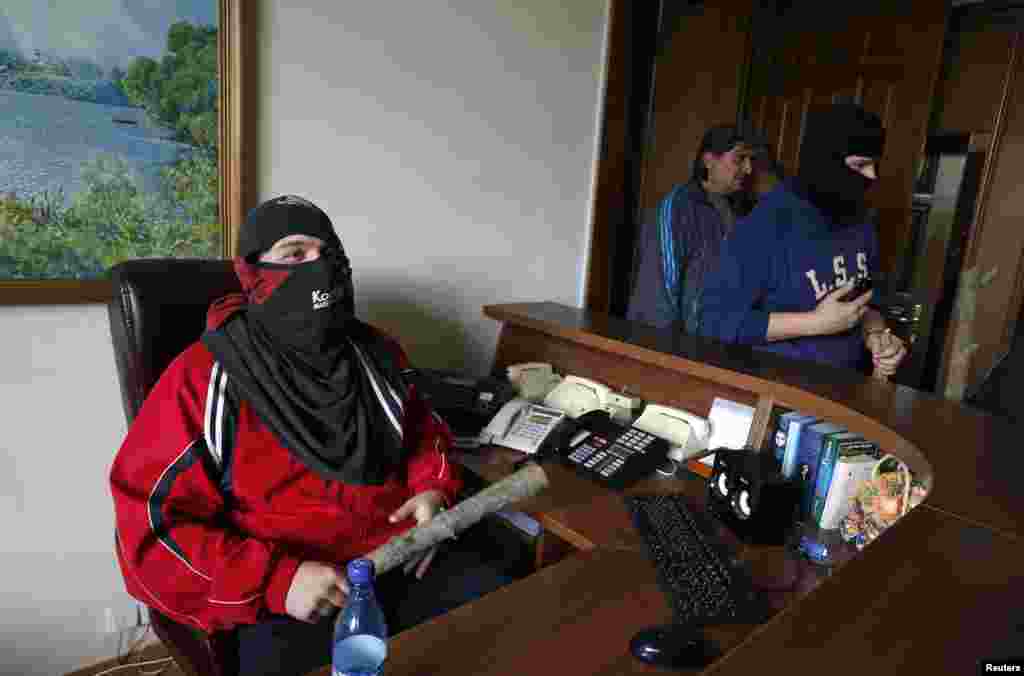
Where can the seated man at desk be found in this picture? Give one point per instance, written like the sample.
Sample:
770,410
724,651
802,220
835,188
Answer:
677,248
277,448
782,277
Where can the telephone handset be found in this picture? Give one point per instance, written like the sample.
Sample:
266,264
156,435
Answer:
533,380
576,396
525,426
688,434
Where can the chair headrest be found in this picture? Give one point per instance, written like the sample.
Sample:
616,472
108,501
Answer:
157,310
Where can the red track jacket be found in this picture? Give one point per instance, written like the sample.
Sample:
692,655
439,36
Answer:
214,515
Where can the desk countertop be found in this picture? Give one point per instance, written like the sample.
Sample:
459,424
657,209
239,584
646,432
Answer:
934,600
937,592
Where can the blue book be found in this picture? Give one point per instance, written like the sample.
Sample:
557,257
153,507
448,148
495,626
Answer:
796,425
808,457
780,433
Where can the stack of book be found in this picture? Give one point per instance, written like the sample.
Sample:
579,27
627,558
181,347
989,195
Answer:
829,463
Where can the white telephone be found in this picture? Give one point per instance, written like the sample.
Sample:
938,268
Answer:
533,380
576,396
522,425
688,434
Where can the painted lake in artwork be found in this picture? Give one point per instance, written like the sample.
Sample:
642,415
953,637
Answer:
45,140
108,134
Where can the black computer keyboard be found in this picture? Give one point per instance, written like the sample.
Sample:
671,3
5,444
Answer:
693,570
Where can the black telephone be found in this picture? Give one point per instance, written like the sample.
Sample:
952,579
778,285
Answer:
611,454
466,404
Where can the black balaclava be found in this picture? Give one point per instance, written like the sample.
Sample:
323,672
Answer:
831,134
316,299
327,385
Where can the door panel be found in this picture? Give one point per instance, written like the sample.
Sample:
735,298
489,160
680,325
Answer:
888,61
697,85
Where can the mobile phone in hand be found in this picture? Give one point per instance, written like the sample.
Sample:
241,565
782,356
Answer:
860,287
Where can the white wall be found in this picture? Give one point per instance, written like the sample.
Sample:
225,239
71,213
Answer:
62,422
452,142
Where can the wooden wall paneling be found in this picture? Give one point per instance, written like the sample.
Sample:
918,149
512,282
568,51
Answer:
901,97
904,53
970,94
697,80
996,243
890,57
793,111
759,112
772,122
877,96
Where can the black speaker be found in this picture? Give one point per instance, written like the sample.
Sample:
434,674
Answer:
747,492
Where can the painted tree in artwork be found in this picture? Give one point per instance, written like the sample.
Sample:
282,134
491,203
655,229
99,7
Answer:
114,214
180,91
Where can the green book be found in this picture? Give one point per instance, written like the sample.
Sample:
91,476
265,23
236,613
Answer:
836,445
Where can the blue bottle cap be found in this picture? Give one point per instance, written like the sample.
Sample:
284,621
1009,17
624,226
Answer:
360,571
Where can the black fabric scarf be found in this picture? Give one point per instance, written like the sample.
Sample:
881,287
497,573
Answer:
831,135
326,384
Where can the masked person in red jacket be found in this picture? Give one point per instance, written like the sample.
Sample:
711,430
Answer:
278,447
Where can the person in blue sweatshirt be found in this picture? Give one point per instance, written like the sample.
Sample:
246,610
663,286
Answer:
781,278
675,249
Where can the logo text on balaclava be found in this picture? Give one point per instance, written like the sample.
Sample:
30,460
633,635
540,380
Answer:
321,299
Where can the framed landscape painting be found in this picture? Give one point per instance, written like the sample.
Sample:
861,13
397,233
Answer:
120,135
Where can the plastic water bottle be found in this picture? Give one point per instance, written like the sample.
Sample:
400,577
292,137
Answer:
360,632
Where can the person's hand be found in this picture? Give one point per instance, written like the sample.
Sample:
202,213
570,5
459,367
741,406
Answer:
833,315
422,507
317,589
887,351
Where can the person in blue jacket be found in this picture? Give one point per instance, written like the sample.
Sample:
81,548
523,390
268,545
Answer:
781,278
675,250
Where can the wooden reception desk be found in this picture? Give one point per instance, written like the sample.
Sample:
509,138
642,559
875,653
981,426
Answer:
938,592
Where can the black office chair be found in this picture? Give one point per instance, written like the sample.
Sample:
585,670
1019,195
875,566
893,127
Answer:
158,309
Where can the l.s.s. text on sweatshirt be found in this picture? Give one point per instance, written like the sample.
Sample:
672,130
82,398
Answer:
785,257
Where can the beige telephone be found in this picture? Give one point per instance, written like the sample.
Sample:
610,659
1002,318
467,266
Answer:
576,396
688,434
533,380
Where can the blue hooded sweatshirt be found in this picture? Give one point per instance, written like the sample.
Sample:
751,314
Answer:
785,257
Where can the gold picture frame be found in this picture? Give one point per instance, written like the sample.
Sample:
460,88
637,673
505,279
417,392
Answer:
236,159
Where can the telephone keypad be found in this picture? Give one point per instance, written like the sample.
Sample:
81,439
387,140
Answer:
588,448
619,458
531,431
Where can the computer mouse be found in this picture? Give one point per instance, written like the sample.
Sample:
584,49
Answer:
673,647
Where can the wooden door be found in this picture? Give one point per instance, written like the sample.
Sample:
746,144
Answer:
698,78
887,59
671,73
